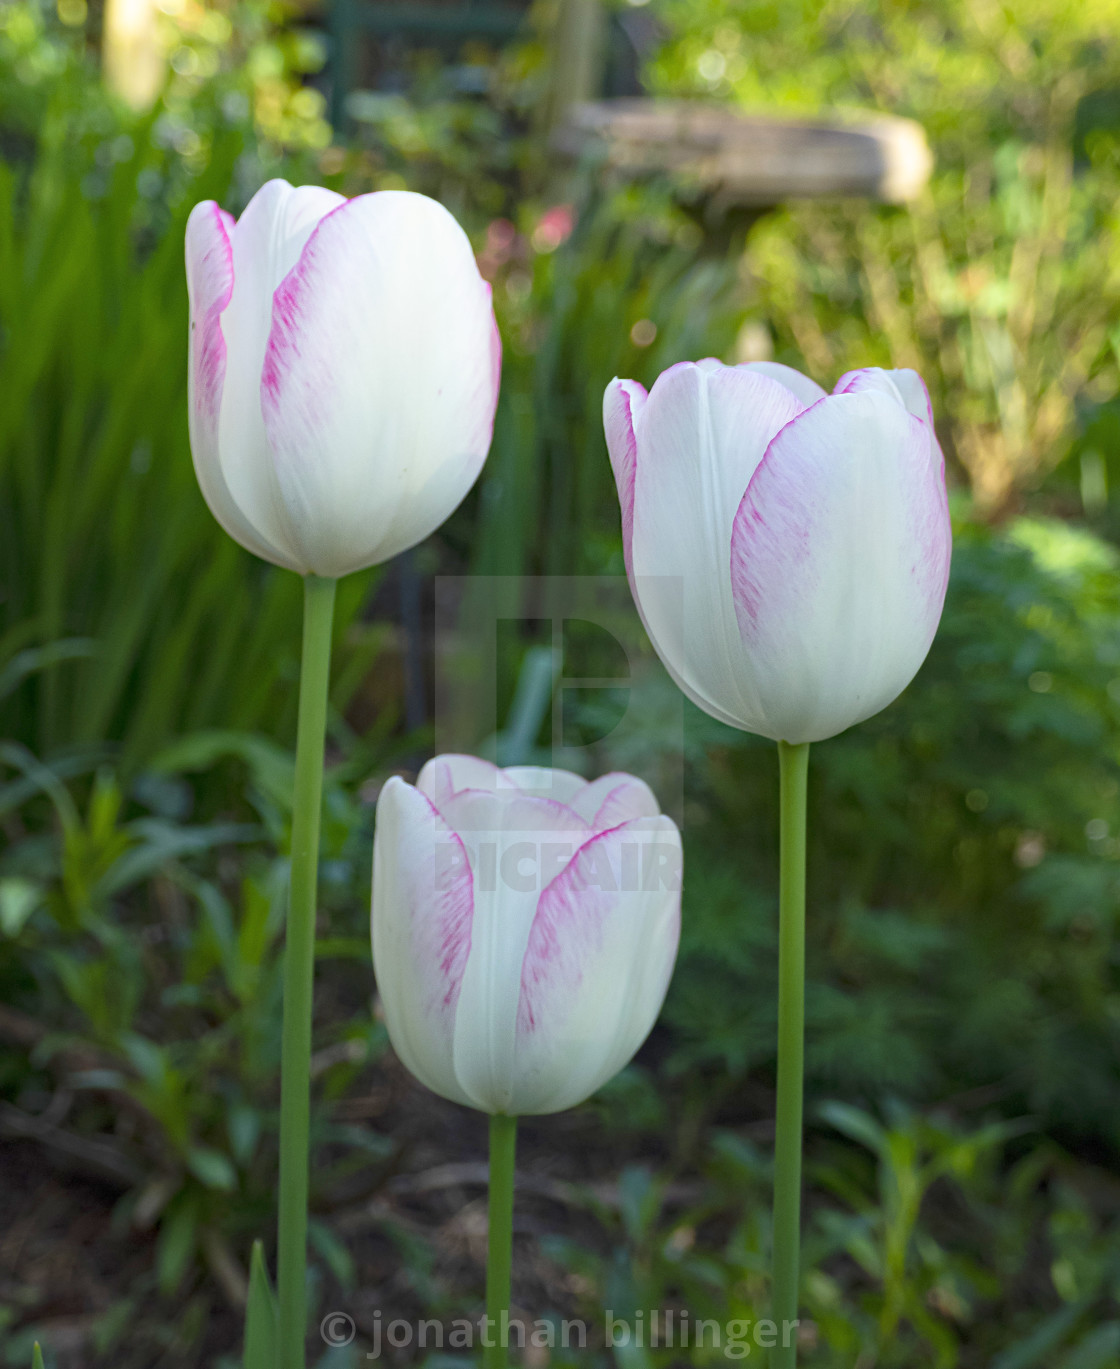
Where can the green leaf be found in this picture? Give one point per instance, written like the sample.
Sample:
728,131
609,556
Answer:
270,766
243,1123
1100,1349
1043,1340
36,1357
332,1252
213,1168
260,1315
178,1235
856,1124
42,658
19,898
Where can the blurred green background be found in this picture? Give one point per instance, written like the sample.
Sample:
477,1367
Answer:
964,1009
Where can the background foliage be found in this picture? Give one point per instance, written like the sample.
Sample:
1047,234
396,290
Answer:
964,983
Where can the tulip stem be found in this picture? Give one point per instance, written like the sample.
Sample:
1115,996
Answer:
299,970
793,764
499,1260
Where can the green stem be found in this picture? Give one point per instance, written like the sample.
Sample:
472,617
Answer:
299,970
499,1259
793,762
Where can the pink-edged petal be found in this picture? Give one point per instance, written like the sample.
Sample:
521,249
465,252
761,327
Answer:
380,378
806,389
517,845
839,563
597,964
699,437
422,923
209,288
266,243
483,812
444,776
622,401
210,279
614,799
544,783
915,396
871,379
906,386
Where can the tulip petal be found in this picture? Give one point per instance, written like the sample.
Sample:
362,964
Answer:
562,786
528,844
482,813
597,964
444,776
614,799
421,925
266,242
380,380
210,288
700,437
905,385
839,562
871,378
622,402
804,387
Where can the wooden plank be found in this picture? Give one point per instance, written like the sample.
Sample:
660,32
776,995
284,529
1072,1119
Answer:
752,159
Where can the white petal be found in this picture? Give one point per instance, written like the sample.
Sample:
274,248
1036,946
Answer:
210,286
700,437
614,799
806,389
840,558
484,812
910,390
528,844
443,776
422,929
622,402
380,380
597,965
915,396
872,378
544,783
267,241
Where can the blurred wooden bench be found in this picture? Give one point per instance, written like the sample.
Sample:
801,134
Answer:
751,160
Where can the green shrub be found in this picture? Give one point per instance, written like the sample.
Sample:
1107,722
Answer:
1000,283
964,885
127,615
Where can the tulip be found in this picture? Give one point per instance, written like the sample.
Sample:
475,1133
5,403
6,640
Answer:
343,372
525,924
788,550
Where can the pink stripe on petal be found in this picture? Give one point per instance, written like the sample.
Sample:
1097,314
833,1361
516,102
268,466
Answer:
620,404
904,384
839,562
379,382
620,798
442,911
566,930
446,775
210,288
619,884
422,928
289,303
509,810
